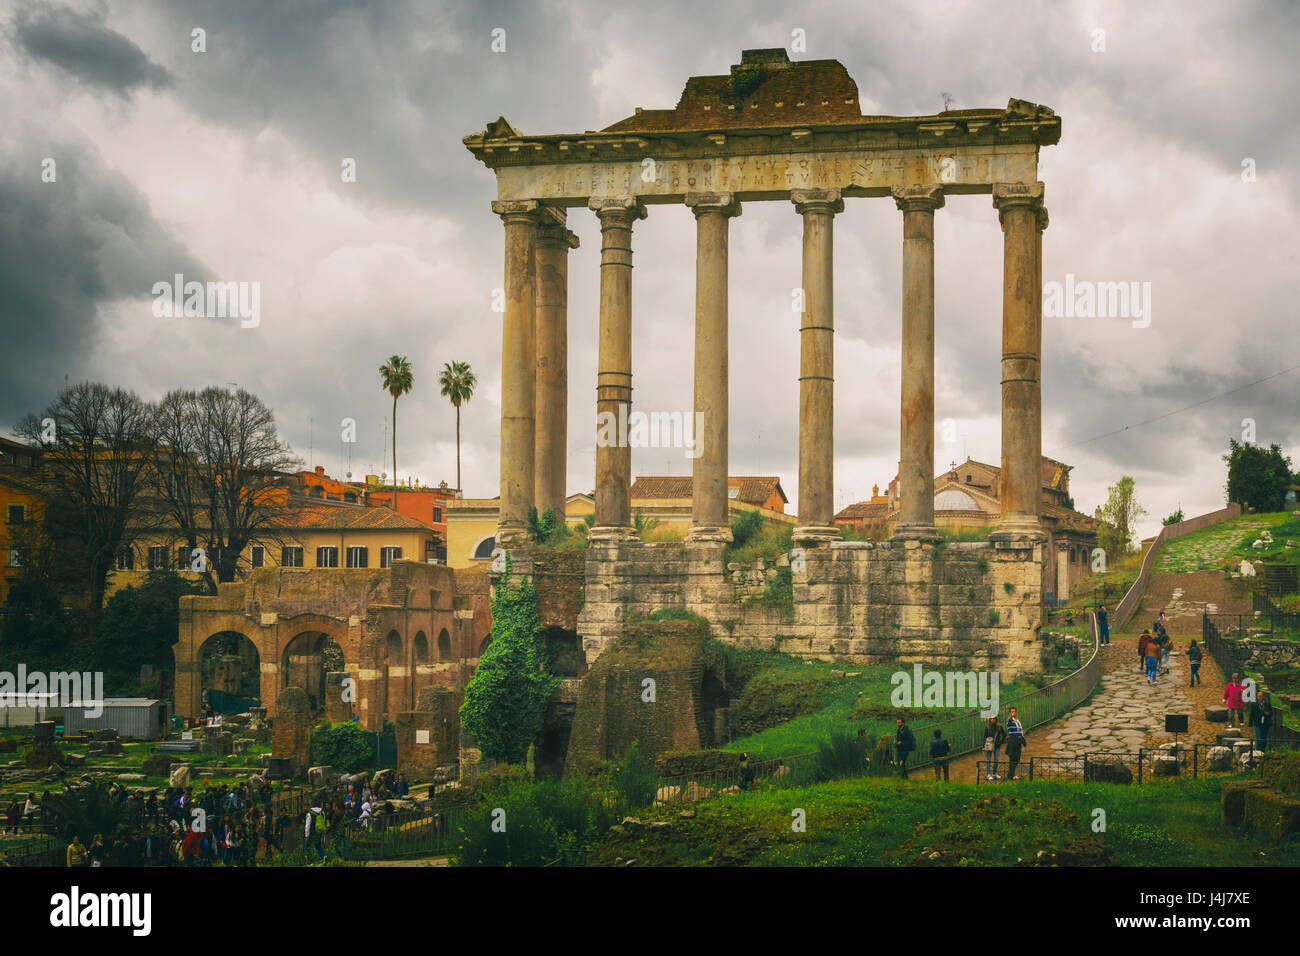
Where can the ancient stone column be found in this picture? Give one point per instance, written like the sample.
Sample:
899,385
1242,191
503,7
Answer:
614,368
551,250
816,522
517,371
916,462
709,469
1019,206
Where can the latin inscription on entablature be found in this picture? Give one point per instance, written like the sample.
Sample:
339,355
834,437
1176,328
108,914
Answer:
964,169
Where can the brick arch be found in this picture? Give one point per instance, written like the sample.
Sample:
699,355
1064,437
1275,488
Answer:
207,676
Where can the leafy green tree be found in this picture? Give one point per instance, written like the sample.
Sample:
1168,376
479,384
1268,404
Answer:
345,747
547,527
1257,477
505,700
1121,511
457,381
1174,518
140,624
397,378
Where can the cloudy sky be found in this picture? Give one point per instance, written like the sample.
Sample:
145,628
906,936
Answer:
225,165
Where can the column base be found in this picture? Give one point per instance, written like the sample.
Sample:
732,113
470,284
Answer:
1018,531
709,533
510,535
926,533
612,532
815,534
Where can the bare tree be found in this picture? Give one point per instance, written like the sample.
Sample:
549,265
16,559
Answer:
95,446
219,465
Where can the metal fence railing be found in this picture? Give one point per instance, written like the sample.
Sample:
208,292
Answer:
1141,766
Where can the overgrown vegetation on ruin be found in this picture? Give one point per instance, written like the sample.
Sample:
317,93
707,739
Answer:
505,700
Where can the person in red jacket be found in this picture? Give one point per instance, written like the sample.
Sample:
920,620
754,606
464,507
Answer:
192,847
1232,697
1143,641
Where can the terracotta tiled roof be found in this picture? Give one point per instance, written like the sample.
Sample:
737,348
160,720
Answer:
864,509
326,516
752,490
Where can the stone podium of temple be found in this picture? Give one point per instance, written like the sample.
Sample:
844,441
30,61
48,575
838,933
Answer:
776,130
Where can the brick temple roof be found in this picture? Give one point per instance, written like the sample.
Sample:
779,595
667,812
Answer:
764,89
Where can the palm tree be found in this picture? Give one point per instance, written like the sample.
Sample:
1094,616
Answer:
457,381
397,379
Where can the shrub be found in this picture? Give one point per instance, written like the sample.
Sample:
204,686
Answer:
633,778
346,747
842,756
542,823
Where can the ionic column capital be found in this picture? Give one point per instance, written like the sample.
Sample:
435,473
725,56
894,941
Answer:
919,198
1007,196
725,204
824,201
517,209
619,209
556,237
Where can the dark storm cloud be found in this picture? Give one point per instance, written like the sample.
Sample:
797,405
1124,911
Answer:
68,248
81,45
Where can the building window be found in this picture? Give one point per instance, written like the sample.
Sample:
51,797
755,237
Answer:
258,556
437,515
358,557
14,560
291,557
126,559
484,549
157,558
388,555
17,514
430,551
327,557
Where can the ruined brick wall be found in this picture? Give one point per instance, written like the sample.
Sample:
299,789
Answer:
429,736
612,712
559,577
291,736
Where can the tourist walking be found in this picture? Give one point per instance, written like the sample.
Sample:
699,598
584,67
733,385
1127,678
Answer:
1015,743
939,751
1153,662
1194,659
994,737
1103,626
1261,718
1143,640
904,744
1232,697
12,816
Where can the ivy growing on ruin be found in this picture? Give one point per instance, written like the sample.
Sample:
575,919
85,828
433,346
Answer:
505,700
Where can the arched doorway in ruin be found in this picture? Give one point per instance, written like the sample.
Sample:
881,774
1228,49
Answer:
444,646
230,664
307,658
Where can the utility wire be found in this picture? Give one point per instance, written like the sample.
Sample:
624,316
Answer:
1177,411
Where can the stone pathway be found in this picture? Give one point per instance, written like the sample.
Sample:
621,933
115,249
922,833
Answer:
1126,713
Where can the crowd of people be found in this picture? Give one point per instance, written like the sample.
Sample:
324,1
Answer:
239,825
